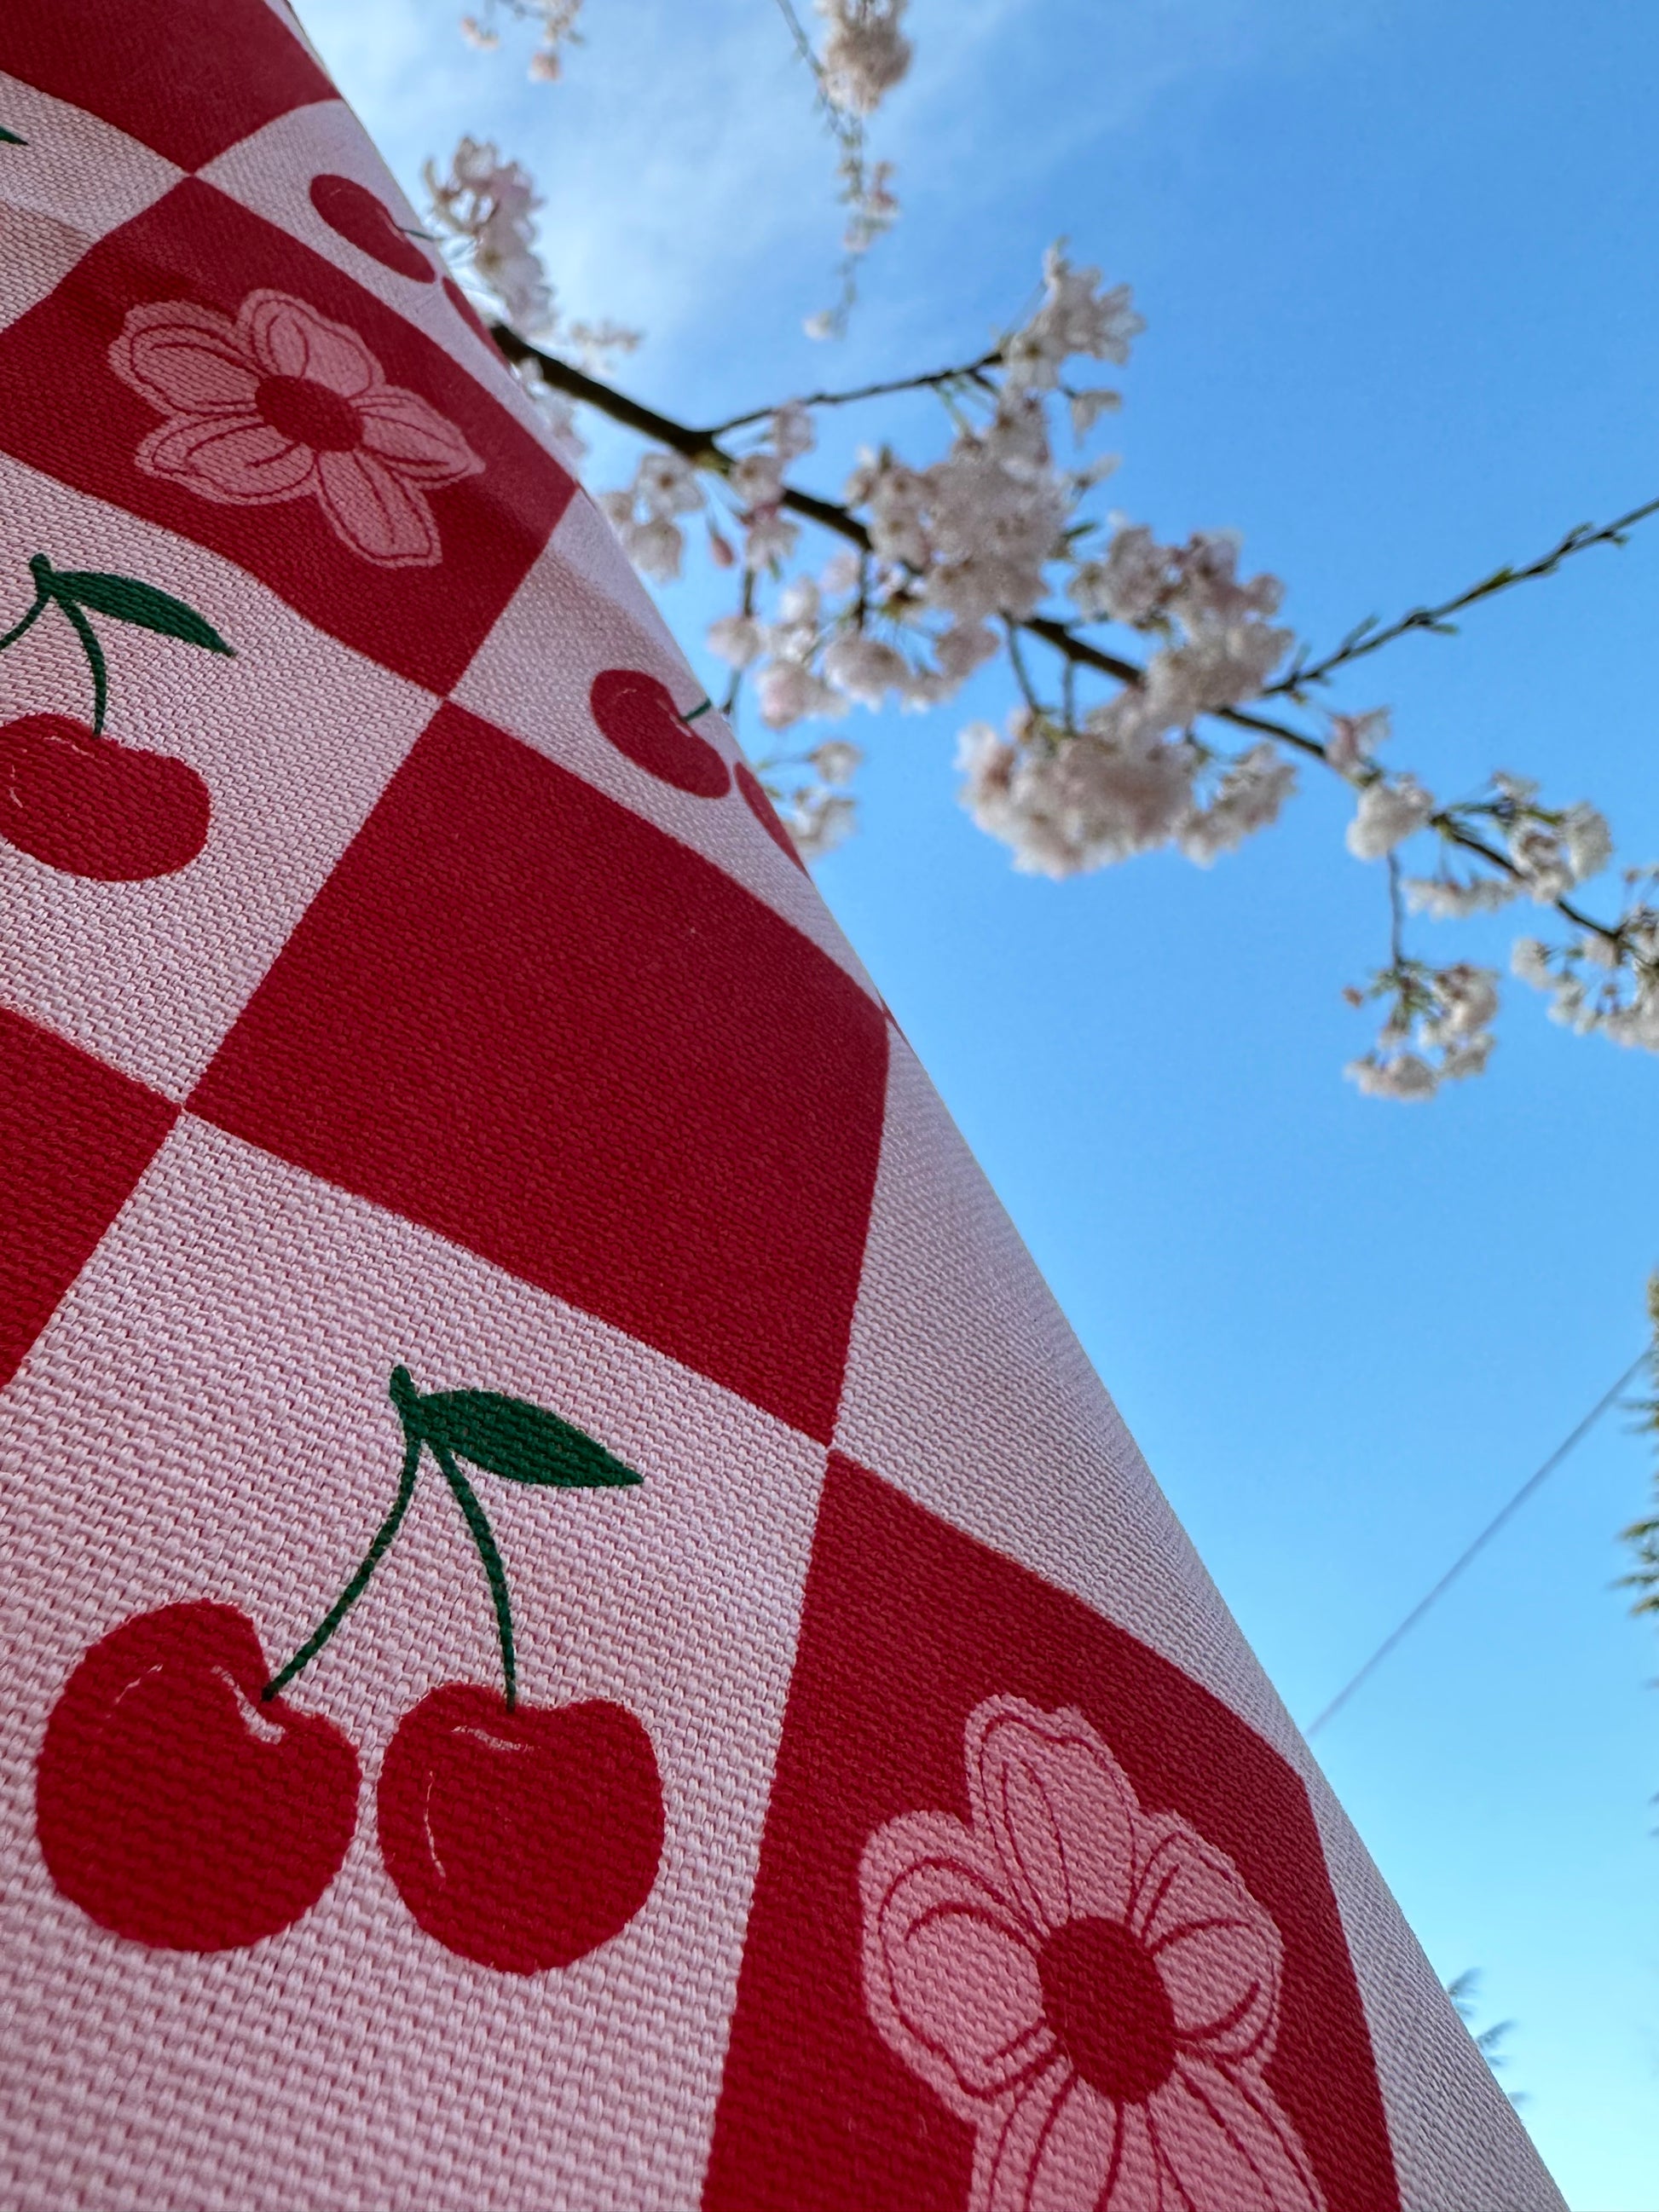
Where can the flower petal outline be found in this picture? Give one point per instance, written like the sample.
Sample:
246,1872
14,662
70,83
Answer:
951,1977
378,513
1211,2137
237,459
409,435
286,336
1219,1953
1223,2140
1059,1808
184,359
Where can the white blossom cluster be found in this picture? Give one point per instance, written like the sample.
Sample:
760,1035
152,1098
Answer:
978,528
1118,785
1437,1030
865,54
556,22
960,552
1608,987
819,654
1077,317
1549,853
487,204
645,514
818,813
967,540
1130,776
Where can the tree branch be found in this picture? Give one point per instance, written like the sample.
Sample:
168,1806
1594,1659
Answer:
1368,638
704,449
966,369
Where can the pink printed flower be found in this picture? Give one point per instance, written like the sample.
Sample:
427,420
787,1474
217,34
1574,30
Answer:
1090,1987
282,403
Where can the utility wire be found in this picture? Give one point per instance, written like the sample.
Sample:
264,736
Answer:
1397,1635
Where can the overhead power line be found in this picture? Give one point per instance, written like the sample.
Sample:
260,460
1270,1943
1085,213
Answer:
1397,1635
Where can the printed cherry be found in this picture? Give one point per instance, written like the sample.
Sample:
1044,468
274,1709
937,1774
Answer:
754,798
91,807
178,1806
70,796
520,1838
639,716
353,211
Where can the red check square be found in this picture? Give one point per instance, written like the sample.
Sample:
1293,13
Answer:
188,77
75,1137
523,1017
1126,1956
205,370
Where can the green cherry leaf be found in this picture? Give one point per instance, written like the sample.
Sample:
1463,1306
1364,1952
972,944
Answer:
10,137
523,1443
130,601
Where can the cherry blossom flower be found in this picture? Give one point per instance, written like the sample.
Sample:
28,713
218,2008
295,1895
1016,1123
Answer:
1354,738
1076,317
1387,814
1552,853
837,761
865,53
865,668
819,820
736,638
1453,898
1612,990
281,404
1436,1031
1252,791
770,535
489,204
788,692
1089,1986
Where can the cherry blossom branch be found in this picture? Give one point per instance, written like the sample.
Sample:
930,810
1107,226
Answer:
702,448
1368,638
932,380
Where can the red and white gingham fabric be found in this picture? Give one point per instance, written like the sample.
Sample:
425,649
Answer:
984,1872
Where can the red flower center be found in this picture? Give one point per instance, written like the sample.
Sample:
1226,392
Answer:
1108,2008
309,413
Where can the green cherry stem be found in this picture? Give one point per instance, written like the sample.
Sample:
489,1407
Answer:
42,601
94,654
359,1582
417,1438
48,592
692,713
496,1573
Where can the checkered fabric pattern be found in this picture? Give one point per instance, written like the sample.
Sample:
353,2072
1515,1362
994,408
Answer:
884,1811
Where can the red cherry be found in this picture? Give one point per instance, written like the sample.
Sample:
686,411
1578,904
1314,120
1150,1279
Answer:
92,807
754,792
352,211
522,1838
639,716
172,1805
469,314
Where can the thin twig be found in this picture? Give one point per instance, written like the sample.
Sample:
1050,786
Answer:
734,689
934,378
1369,638
1017,662
1397,913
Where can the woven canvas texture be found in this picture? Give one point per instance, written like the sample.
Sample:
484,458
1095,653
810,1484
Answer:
579,1631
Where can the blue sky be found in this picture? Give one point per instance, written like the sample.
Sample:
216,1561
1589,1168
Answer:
1396,257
